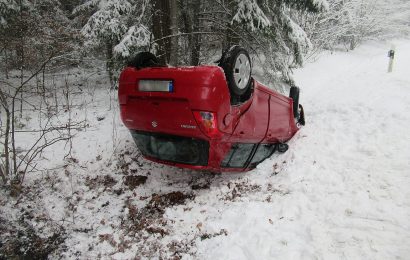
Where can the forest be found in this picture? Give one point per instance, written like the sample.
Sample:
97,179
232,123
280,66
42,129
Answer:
59,71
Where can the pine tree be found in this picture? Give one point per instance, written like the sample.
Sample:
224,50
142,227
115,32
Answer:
114,29
32,31
267,26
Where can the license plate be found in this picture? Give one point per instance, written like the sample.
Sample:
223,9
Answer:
156,86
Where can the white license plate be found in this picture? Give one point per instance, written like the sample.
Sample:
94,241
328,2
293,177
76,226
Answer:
156,86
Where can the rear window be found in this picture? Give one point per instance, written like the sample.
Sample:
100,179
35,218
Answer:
172,148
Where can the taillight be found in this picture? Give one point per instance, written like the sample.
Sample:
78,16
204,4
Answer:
207,122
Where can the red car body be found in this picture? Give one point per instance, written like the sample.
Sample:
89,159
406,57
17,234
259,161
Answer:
196,114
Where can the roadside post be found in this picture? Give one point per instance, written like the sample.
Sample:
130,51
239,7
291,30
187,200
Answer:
391,54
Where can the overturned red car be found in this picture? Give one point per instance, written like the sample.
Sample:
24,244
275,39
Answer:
215,118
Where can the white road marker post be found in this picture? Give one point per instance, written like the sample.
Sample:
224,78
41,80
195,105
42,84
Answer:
391,58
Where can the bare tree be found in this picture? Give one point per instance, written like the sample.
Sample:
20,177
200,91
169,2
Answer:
16,163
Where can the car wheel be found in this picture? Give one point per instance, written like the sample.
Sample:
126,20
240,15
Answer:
282,147
237,67
144,60
294,94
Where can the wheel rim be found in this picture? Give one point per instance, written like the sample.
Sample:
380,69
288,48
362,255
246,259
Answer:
242,71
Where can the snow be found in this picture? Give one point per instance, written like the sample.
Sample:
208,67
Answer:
251,14
135,38
321,4
107,22
340,191
345,185
297,34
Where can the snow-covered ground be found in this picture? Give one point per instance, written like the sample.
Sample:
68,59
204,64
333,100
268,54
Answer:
340,192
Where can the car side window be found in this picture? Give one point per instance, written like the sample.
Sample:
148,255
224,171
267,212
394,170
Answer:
263,152
238,155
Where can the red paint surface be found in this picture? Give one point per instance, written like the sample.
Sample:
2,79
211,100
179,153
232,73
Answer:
266,117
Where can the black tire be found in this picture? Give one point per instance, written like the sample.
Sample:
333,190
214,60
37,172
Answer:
301,115
144,60
282,147
294,94
237,67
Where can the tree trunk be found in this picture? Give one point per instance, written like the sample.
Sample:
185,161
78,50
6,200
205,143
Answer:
13,138
190,18
22,60
173,56
110,63
196,38
5,172
6,146
43,90
186,25
3,178
161,28
6,65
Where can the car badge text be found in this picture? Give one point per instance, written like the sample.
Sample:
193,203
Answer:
188,126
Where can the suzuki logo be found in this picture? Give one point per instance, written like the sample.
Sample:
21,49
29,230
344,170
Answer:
154,124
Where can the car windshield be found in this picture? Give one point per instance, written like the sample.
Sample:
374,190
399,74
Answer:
172,148
263,152
247,155
238,156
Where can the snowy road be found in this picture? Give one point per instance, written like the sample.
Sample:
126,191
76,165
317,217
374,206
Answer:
343,189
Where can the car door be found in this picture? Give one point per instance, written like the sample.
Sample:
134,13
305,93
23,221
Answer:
280,113
253,123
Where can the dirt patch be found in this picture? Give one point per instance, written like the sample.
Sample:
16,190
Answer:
123,164
105,181
156,230
25,243
240,189
169,199
150,217
180,248
208,236
201,186
133,181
